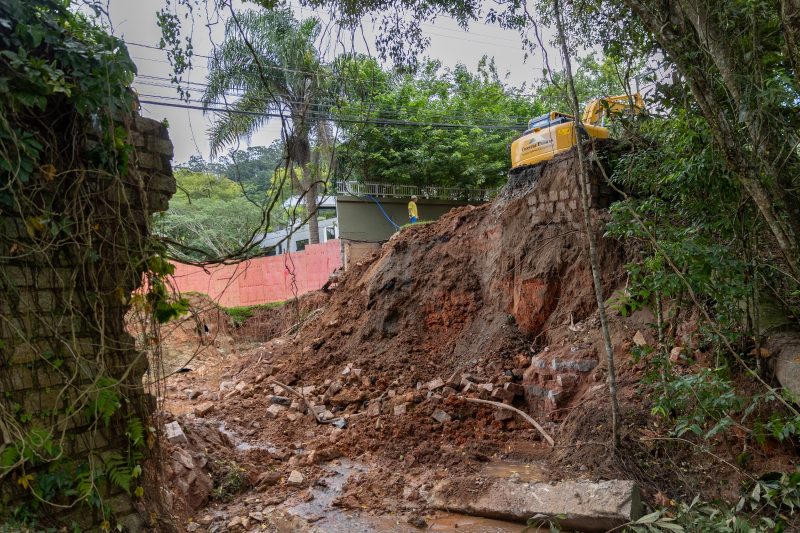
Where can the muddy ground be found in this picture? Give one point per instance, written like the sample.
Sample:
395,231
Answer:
492,302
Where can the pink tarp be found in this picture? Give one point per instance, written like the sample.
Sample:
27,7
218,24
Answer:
262,280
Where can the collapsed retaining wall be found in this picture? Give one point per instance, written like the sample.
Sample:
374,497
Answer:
64,288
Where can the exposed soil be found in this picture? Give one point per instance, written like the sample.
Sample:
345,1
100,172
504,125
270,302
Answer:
496,302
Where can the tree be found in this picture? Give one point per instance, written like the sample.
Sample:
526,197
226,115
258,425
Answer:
209,216
271,59
386,148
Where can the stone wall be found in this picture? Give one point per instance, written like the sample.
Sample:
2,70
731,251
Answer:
65,283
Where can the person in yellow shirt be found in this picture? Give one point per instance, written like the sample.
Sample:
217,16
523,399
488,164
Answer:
412,209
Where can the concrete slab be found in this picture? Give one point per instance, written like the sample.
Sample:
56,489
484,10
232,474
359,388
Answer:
574,505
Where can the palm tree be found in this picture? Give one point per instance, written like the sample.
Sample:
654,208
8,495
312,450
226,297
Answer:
270,59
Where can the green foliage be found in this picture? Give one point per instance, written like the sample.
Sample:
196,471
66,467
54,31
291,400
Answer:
239,315
449,156
210,216
53,57
762,509
229,480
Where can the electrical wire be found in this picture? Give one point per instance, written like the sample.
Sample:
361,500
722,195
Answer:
333,118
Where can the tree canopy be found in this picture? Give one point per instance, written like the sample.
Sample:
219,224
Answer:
467,121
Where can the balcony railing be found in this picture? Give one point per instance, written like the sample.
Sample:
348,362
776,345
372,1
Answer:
385,190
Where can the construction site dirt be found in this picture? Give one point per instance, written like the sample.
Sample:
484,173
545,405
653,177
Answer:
343,410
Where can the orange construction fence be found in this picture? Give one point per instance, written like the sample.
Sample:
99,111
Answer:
264,279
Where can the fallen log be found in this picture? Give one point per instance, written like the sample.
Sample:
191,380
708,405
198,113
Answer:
524,415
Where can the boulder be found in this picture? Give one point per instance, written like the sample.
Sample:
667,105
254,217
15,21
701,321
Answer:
573,505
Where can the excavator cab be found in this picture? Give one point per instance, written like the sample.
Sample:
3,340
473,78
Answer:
554,133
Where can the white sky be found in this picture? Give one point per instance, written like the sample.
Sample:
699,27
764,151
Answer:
135,21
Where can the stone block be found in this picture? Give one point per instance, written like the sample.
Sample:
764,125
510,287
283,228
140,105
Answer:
573,505
174,433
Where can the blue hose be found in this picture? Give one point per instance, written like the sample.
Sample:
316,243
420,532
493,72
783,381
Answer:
385,215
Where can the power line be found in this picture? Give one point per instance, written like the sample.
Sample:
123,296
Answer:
386,122
378,113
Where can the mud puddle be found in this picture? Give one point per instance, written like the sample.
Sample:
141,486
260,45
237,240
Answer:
242,445
523,471
321,511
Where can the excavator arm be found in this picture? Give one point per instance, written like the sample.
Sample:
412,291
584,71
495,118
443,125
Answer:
596,112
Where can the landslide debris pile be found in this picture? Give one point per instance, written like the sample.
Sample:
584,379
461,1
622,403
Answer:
482,303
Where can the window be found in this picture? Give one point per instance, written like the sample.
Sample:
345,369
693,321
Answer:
330,233
301,244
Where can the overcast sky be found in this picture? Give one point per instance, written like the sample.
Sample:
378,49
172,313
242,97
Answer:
135,21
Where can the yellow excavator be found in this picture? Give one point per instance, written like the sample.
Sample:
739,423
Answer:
554,133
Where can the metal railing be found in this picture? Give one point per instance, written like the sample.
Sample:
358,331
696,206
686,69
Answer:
386,190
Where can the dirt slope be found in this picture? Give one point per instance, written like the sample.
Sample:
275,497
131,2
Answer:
494,302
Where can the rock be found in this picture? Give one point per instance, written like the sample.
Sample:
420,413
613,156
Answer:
240,386
515,388
374,408
346,397
226,385
293,417
676,355
175,433
267,479
470,387
257,516
448,391
317,343
573,505
401,409
454,381
191,394
441,417
184,458
417,521
434,384
295,478
274,410
334,388
340,423
566,381
638,339
488,387
785,347
280,400
503,395
204,409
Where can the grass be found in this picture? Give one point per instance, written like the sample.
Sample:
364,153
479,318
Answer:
229,480
239,315
417,223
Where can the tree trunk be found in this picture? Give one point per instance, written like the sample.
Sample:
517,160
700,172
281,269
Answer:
312,207
676,36
585,192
